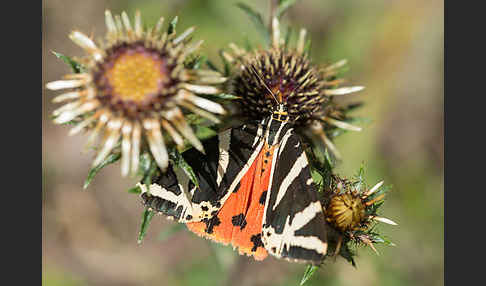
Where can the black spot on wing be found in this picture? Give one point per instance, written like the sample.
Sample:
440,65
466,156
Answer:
263,197
239,220
205,208
257,241
211,223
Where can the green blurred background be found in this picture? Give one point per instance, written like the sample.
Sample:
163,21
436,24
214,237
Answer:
394,48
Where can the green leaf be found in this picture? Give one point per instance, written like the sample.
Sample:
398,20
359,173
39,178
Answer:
172,25
75,66
196,62
144,164
212,66
147,178
170,231
308,273
179,161
328,159
359,184
112,158
283,6
374,208
135,190
257,19
226,64
225,96
347,254
146,218
203,132
248,45
316,177
376,238
288,35
307,46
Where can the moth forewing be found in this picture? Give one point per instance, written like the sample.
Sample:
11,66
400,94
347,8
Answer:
293,225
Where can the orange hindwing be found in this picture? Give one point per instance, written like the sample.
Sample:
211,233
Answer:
239,221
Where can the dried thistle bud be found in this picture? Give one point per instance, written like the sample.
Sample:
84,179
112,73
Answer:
346,212
133,87
350,209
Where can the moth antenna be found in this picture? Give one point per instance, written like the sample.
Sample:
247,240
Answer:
264,84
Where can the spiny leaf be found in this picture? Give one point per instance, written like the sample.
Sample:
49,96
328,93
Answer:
307,46
328,159
144,164
359,184
112,158
225,96
347,254
169,231
376,238
146,218
147,178
283,6
172,25
226,64
374,208
308,273
288,35
147,168
194,119
135,190
248,45
75,66
203,132
179,161
212,66
316,177
72,122
257,19
353,106
196,62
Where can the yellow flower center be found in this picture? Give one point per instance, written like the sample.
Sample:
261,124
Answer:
134,76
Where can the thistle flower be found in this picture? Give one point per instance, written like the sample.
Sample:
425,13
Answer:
133,87
350,211
305,90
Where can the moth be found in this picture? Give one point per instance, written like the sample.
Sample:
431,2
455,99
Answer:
255,192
